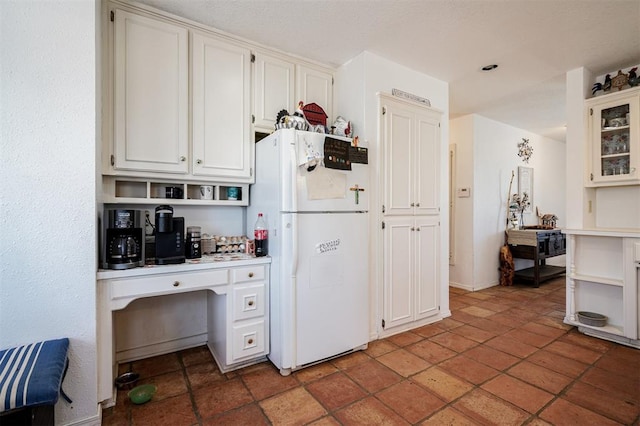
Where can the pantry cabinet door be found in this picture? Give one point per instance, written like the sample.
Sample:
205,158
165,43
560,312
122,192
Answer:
427,255
427,162
150,95
399,301
222,145
273,87
399,159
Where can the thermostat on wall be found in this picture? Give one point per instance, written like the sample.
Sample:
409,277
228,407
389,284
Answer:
464,192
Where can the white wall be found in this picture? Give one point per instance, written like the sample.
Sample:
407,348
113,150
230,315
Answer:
359,81
494,156
463,246
48,191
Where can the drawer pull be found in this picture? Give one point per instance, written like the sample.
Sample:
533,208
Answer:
250,303
250,274
176,283
250,341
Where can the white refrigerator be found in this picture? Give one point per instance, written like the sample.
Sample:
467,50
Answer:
317,219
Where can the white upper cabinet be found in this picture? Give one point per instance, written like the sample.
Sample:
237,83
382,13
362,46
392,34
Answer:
614,136
314,85
273,89
150,95
280,84
179,98
221,109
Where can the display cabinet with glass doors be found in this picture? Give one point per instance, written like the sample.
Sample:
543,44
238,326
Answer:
614,122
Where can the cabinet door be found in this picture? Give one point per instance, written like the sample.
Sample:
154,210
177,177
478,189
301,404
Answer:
427,162
614,130
273,90
150,95
399,297
221,118
427,255
411,146
398,146
315,85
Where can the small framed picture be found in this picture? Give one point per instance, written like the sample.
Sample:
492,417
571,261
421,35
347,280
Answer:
525,184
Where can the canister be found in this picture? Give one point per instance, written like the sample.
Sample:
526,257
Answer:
193,247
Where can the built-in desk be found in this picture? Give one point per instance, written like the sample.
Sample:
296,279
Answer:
537,245
237,308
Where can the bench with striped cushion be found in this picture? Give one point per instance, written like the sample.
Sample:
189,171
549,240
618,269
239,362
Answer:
31,375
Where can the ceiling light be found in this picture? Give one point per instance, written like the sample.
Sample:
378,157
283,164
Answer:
489,67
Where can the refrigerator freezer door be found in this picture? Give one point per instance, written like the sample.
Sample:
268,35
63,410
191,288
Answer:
330,286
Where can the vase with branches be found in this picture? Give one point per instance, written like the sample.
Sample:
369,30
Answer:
519,203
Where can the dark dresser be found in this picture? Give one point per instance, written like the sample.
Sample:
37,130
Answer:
537,245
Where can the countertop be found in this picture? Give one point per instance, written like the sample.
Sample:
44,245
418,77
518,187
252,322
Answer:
605,232
190,265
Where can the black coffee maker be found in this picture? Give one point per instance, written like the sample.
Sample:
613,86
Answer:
169,237
123,239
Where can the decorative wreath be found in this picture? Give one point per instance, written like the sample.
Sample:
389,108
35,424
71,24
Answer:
525,150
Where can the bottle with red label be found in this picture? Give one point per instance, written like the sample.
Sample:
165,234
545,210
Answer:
261,236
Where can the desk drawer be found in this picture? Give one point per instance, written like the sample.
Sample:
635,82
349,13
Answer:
248,340
248,301
247,274
167,283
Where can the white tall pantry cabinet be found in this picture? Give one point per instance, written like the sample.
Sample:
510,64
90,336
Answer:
410,145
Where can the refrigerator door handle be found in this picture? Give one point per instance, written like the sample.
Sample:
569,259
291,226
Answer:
293,162
294,245
294,288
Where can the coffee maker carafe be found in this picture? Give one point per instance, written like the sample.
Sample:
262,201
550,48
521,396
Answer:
123,239
169,237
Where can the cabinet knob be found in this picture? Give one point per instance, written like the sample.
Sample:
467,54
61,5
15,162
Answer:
417,204
198,161
250,341
418,229
412,204
250,303
413,229
176,283
250,274
183,158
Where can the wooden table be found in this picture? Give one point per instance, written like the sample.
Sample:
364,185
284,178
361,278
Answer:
537,245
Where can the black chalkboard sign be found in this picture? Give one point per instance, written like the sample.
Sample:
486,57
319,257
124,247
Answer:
336,154
358,155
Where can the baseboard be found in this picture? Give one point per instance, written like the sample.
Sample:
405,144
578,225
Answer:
410,326
161,348
460,286
472,288
88,421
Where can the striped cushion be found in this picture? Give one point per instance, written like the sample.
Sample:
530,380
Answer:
32,374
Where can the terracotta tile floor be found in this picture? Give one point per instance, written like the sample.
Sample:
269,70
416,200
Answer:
503,358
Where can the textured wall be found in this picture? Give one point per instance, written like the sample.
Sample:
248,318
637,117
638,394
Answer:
47,204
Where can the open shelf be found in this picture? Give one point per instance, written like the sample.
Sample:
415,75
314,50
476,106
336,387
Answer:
613,329
598,280
143,191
